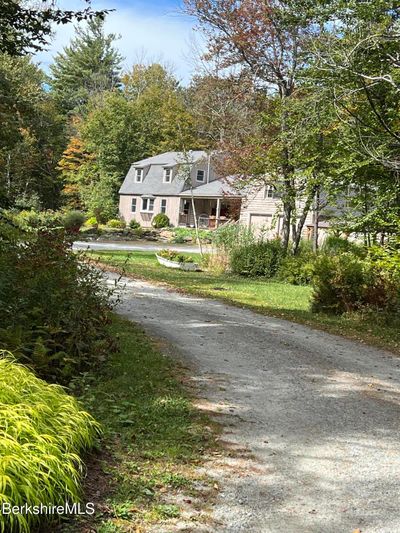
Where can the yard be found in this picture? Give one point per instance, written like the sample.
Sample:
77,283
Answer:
268,297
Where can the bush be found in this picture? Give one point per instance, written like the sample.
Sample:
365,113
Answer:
43,432
134,224
29,220
91,222
54,306
258,259
73,220
116,223
160,221
338,245
298,269
347,282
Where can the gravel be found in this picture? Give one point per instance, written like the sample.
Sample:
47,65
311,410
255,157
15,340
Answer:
311,419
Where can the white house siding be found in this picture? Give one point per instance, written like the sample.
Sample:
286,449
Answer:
265,214
144,219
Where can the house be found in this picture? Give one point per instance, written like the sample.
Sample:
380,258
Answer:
165,183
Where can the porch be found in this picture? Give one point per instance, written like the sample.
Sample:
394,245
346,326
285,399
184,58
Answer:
210,212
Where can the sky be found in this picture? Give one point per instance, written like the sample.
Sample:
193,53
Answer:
154,29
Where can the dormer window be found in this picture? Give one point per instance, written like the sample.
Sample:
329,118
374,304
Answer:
167,175
200,176
269,191
139,175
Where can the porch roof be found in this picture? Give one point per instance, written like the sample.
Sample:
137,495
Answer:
213,189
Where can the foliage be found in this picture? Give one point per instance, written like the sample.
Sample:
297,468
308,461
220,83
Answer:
73,220
116,223
43,434
161,220
257,259
181,234
175,256
346,282
91,222
32,137
297,269
99,196
134,224
336,245
88,66
54,307
230,236
33,220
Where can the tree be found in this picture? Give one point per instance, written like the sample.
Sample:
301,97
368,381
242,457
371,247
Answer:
87,67
24,29
265,38
32,136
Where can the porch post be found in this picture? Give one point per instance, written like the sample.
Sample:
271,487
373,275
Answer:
218,212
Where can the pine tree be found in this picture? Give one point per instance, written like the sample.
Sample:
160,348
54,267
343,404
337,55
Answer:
89,66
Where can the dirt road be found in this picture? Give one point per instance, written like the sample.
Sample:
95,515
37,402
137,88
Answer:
313,418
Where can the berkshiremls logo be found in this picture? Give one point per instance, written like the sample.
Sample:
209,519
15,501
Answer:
49,509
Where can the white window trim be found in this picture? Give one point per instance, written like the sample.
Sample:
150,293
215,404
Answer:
161,205
269,188
165,175
147,210
197,175
134,200
137,175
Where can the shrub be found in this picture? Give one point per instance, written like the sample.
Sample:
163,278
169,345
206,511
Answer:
29,220
116,223
54,306
134,224
298,269
337,245
91,222
43,433
347,282
182,234
160,221
231,236
258,259
73,220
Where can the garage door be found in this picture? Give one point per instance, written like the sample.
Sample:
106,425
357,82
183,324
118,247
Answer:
261,223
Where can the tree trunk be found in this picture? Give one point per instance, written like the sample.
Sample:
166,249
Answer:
316,221
196,226
302,220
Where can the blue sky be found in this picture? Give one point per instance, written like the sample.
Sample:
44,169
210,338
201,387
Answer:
152,29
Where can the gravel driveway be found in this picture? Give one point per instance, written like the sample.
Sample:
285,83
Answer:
312,419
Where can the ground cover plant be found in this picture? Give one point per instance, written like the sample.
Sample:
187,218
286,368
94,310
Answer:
171,255
271,297
153,440
43,434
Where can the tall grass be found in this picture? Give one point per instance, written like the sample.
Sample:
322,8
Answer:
43,432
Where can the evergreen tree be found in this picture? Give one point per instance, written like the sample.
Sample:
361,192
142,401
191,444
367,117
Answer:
89,66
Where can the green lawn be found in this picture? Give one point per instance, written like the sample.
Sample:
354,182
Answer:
153,439
267,297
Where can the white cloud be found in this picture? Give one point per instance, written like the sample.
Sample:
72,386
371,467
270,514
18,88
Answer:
163,36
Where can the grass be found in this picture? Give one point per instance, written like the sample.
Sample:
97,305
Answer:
153,439
268,297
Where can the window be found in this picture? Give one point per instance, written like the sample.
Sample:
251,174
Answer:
167,175
200,175
148,205
163,205
186,206
139,175
133,205
269,191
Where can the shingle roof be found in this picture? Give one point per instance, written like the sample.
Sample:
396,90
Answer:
153,179
216,188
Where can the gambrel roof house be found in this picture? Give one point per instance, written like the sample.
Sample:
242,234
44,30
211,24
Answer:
165,183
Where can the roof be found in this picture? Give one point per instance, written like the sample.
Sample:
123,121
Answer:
153,181
171,158
213,189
